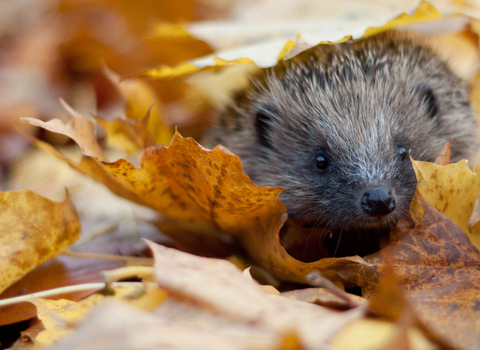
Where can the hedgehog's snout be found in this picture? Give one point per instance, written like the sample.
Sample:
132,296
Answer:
378,201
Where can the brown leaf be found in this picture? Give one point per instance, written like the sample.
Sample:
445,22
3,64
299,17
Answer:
115,325
58,316
323,297
210,305
79,129
184,181
474,224
440,271
219,286
34,229
140,97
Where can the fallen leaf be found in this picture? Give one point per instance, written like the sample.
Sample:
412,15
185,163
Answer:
34,229
142,100
79,130
474,224
267,50
54,273
58,316
323,297
218,285
116,325
127,134
210,304
439,270
451,189
367,334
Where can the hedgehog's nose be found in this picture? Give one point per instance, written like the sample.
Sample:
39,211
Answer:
378,201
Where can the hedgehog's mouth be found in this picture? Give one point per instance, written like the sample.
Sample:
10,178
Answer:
362,237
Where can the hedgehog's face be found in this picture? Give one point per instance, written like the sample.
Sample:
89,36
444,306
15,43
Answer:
338,140
338,176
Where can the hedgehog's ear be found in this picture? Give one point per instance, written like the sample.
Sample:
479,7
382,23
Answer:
263,123
428,100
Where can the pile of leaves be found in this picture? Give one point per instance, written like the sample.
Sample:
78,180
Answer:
421,291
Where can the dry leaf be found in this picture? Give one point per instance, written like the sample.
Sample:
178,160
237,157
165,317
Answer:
440,271
57,272
127,134
34,229
474,224
323,297
451,189
266,53
79,129
219,286
115,325
141,100
367,334
211,305
58,316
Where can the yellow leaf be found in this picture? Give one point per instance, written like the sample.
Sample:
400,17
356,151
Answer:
140,97
368,334
451,189
34,229
127,134
425,12
58,316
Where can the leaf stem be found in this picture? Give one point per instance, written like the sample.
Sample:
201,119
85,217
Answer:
63,290
130,259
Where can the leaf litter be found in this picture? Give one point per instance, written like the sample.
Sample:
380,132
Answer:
208,190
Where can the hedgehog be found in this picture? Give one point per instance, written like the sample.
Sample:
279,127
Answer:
337,126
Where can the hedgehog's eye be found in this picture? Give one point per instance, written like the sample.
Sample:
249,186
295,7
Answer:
402,153
321,162
429,101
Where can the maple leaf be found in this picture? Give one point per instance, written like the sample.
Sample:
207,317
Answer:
439,270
